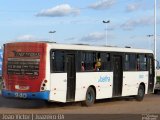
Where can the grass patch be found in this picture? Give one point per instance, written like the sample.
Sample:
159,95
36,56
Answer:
158,79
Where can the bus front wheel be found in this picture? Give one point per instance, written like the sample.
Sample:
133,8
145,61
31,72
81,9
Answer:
90,97
141,92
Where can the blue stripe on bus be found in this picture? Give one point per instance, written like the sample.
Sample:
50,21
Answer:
26,95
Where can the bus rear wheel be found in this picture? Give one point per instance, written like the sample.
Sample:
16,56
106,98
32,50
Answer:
141,92
90,97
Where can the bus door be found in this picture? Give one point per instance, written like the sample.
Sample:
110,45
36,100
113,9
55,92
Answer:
71,76
151,74
117,75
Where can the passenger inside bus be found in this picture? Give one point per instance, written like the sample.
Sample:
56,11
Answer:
98,64
82,66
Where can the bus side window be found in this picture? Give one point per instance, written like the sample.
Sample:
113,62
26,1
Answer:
52,55
105,61
87,58
138,63
98,63
126,62
82,66
145,62
57,61
142,62
51,61
130,62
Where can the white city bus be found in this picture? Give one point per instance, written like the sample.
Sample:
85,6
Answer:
70,73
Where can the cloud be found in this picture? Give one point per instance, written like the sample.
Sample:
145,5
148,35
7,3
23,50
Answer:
26,37
102,4
132,23
29,38
139,5
59,11
70,39
95,36
133,7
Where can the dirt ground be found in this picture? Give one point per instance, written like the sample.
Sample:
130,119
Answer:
150,104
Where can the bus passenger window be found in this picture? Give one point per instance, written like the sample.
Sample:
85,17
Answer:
126,62
52,55
98,64
57,61
105,61
87,58
82,66
142,62
138,63
130,62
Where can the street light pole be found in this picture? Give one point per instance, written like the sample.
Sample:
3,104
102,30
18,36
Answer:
155,41
52,32
106,28
155,32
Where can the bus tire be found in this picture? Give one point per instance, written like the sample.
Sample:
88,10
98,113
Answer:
90,97
155,91
141,92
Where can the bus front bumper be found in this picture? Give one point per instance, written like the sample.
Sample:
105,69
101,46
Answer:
26,95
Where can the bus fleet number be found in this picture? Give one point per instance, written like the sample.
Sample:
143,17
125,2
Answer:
21,95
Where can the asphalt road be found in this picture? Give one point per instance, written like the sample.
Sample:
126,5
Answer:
129,106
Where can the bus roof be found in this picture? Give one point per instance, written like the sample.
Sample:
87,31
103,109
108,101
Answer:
53,45
97,48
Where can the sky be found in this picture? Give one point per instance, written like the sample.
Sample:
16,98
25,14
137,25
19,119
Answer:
80,22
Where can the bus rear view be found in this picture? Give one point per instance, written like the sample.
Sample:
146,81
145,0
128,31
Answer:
24,70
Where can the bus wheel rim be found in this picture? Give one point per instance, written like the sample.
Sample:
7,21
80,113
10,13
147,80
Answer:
89,97
141,92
